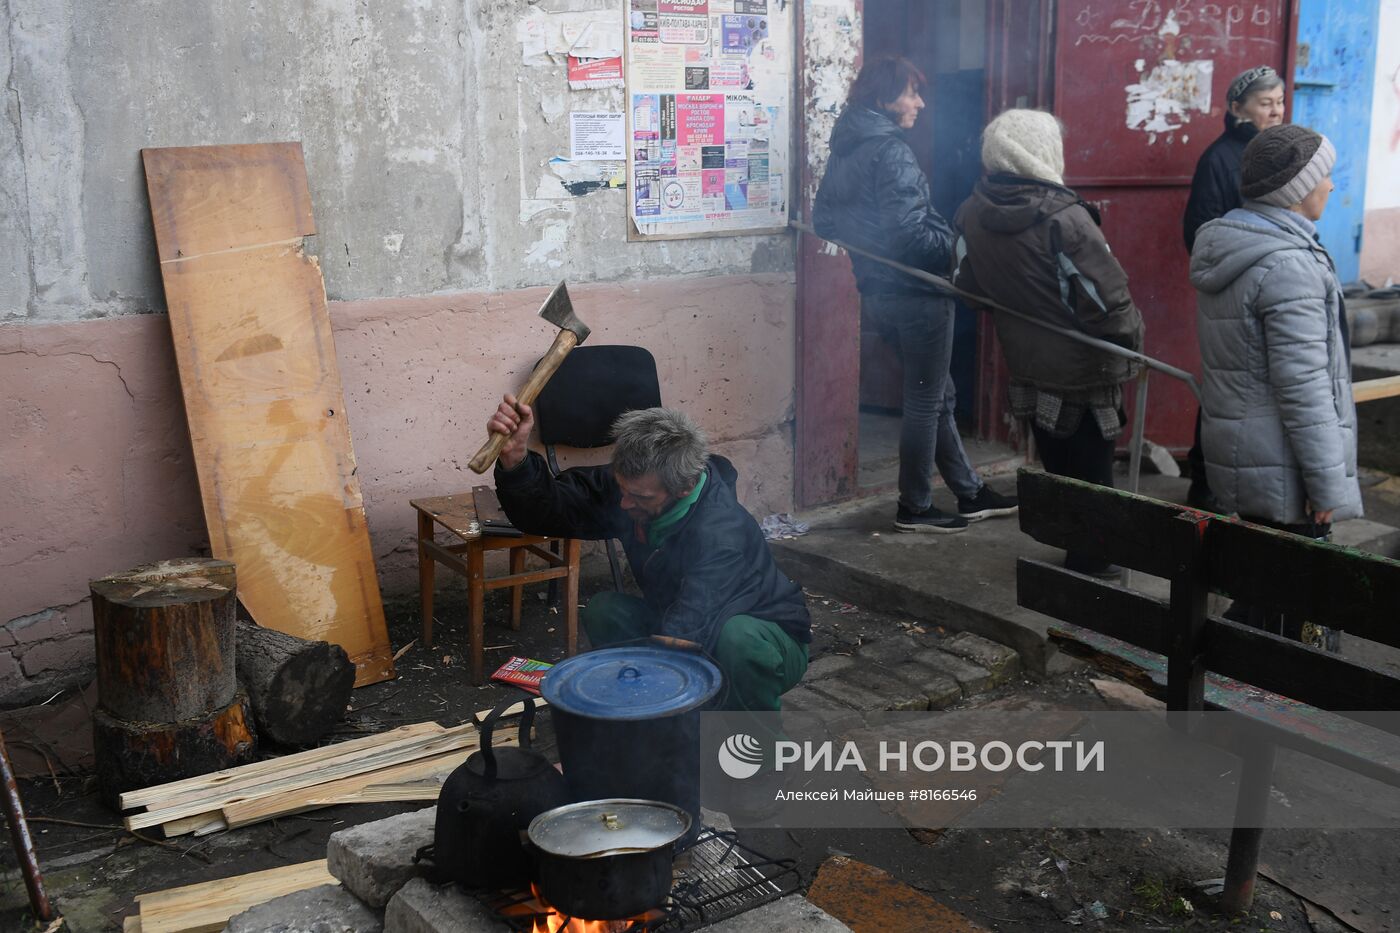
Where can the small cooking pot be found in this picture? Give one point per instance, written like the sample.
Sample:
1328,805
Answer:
487,802
607,859
628,723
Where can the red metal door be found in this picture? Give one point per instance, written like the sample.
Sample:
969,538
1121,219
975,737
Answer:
1140,86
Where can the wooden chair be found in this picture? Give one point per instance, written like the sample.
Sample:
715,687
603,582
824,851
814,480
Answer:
466,554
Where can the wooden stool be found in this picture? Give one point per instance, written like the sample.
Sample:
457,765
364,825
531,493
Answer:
457,514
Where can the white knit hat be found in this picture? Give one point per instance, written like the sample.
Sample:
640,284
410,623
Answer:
1025,142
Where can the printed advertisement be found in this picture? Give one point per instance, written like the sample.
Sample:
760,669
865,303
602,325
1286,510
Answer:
708,94
586,73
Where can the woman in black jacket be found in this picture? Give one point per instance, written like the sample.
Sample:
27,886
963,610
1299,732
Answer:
875,197
1254,102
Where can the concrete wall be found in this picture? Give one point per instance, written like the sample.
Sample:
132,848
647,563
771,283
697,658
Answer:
98,474
1380,246
428,143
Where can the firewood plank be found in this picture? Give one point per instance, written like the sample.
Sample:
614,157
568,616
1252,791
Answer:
206,907
251,775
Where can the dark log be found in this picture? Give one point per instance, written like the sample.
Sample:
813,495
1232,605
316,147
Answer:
138,754
299,689
165,638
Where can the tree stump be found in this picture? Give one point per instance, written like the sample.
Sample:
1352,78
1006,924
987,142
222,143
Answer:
299,689
167,693
164,636
131,755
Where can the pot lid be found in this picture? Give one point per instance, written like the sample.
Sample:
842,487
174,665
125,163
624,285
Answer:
631,683
597,828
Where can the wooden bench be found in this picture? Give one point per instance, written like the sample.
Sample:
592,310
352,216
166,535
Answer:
1290,694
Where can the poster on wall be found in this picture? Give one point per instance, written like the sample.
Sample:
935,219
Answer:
709,115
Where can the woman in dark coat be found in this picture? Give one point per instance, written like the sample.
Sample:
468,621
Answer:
875,197
1033,246
1254,102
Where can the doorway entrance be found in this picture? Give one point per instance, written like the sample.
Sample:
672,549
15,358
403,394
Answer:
946,40
1139,87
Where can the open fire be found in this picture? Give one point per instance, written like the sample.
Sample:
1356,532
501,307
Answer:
548,920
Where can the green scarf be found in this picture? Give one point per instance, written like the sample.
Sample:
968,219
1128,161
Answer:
662,527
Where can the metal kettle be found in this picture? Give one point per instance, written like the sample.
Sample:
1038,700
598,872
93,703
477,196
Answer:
486,805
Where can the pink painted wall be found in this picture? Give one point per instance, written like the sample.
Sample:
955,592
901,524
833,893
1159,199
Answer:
1380,243
96,472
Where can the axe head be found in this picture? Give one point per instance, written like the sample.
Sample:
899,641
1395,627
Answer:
559,311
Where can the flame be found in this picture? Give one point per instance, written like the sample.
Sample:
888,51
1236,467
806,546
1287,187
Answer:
553,922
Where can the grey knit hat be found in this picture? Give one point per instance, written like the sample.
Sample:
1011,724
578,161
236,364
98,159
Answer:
1283,164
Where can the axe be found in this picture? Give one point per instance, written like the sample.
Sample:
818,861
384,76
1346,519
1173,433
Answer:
559,311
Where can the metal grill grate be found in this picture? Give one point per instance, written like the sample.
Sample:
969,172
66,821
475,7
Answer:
716,877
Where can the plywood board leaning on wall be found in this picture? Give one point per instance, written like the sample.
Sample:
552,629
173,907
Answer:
262,393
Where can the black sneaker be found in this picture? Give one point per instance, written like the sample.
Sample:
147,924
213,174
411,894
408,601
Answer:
988,503
929,521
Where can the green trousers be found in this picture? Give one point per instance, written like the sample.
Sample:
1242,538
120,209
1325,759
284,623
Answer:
758,659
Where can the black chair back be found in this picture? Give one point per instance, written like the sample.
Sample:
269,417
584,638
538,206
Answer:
592,387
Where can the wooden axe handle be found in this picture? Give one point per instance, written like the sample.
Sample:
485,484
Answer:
566,341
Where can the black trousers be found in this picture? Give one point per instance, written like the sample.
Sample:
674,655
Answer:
1086,454
1277,621
1196,460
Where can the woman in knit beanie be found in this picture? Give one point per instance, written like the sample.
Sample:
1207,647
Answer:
1035,247
1253,102
1278,421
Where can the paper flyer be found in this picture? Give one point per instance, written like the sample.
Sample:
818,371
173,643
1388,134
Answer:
585,73
708,92
597,136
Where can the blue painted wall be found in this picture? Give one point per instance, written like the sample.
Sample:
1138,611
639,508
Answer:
1331,93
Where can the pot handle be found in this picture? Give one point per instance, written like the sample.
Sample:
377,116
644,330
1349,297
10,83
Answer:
486,726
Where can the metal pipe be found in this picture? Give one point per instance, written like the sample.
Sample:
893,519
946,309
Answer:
1139,432
1251,808
23,841
944,285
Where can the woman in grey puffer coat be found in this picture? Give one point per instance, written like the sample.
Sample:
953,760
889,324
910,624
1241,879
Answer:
1279,423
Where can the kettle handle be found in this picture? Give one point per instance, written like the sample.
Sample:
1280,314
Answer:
486,726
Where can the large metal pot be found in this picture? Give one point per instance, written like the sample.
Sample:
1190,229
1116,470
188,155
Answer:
607,859
628,723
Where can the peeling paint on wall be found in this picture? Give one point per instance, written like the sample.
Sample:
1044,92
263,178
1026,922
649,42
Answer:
831,45
1162,101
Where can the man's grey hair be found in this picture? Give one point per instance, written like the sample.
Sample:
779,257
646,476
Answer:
661,441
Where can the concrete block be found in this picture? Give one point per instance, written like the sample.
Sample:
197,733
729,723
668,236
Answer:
871,687
375,859
835,715
941,690
39,626
891,650
64,655
716,820
791,914
827,665
973,678
325,909
419,907
1001,662
1158,459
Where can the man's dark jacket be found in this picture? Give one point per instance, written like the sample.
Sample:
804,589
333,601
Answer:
713,566
1215,188
875,196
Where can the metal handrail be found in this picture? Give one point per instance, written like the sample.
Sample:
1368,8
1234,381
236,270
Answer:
1148,363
